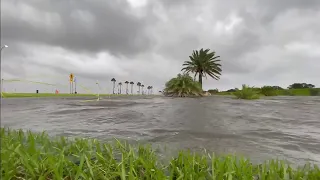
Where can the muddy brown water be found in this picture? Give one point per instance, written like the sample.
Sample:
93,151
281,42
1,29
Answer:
278,127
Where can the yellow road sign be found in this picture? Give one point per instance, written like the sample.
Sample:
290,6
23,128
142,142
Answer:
71,77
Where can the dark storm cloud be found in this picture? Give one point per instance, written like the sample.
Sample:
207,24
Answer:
85,25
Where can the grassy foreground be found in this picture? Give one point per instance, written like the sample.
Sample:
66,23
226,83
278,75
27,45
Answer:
27,155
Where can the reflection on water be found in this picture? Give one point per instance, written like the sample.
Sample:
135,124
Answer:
278,127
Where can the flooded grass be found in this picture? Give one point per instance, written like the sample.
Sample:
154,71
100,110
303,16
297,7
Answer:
28,155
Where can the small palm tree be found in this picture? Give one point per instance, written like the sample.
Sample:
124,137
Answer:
127,82
120,84
148,89
183,86
139,85
202,63
114,84
142,88
132,83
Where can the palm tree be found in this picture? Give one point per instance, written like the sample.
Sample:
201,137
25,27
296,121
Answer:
132,83
139,84
151,87
127,82
142,88
148,90
120,84
114,83
202,63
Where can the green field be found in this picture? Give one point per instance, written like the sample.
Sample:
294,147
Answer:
296,92
25,95
285,92
27,155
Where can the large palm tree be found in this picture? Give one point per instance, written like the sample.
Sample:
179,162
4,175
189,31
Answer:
127,82
132,83
202,63
114,84
139,85
120,84
142,86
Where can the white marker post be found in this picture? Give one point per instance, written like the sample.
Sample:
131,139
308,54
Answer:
98,90
5,46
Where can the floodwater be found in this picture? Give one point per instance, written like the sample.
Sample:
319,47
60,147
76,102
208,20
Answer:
278,127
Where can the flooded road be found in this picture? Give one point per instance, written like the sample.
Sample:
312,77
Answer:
278,127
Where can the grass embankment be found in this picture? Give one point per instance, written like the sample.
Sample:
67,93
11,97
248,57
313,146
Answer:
36,156
286,92
299,92
25,95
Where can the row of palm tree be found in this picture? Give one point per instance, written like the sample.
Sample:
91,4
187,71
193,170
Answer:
139,84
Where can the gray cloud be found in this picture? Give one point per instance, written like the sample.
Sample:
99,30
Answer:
89,26
260,42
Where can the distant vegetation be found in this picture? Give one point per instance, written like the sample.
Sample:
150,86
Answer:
296,89
301,86
213,91
38,156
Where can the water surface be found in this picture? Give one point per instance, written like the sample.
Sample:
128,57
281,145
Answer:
278,127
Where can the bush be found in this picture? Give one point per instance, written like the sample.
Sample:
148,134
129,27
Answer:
288,93
314,92
183,86
213,91
268,91
247,93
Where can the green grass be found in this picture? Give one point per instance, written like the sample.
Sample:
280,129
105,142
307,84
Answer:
27,155
297,92
25,95
284,92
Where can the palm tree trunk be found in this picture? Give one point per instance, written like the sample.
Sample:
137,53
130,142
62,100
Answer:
131,88
113,86
200,79
127,89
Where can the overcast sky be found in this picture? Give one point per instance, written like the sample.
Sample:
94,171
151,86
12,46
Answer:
261,42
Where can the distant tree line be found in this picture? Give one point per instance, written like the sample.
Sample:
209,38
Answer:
292,86
301,86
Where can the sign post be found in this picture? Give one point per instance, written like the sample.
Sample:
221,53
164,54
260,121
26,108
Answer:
71,83
75,85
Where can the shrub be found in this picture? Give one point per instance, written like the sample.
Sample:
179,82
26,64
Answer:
314,92
213,91
268,91
288,93
246,93
183,86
